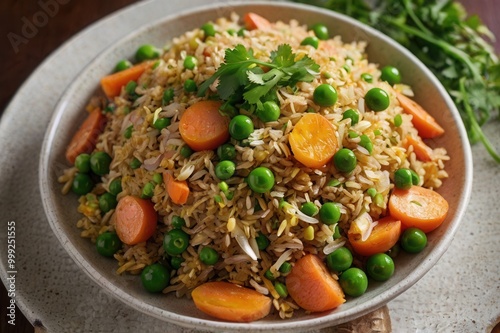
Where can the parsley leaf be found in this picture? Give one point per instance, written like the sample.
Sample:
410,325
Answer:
449,42
242,73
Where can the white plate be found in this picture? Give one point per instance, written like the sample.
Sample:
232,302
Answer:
52,289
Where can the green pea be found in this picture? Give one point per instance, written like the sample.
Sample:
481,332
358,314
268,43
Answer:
130,87
232,32
281,289
107,202
186,151
366,143
321,31
128,132
168,96
270,111
336,233
367,77
413,240
115,187
190,62
325,95
352,134
394,251
309,208
398,120
329,213
339,260
175,242
226,152
377,99
209,256
177,222
346,68
157,178
135,163
208,29
176,262
155,278
108,243
261,180
415,178
240,127
285,267
269,275
99,163
371,192
161,123
146,52
262,241
345,160
403,179
351,114
225,169
333,182
148,190
82,163
122,65
311,41
391,75
241,32
190,86
380,267
109,108
353,282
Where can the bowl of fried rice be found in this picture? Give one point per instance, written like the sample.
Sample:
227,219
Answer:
255,167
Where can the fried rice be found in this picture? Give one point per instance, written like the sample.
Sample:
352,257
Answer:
231,225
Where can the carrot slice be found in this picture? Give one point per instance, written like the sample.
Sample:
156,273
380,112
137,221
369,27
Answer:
84,140
135,220
312,287
178,190
418,207
383,236
112,84
202,126
313,140
228,301
425,124
422,151
254,21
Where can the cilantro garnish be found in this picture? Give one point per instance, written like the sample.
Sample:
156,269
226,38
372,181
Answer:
243,79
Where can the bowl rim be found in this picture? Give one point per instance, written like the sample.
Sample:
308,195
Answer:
193,322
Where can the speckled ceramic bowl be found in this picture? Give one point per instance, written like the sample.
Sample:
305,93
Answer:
62,214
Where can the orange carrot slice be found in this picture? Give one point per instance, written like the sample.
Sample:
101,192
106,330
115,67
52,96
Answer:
177,190
135,220
112,84
228,301
312,287
425,124
422,151
84,140
313,140
418,207
254,21
202,126
383,236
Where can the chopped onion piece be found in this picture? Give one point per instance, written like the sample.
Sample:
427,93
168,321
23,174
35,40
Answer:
242,241
283,257
329,248
152,163
156,115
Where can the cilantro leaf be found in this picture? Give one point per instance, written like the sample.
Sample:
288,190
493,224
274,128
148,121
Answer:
241,73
